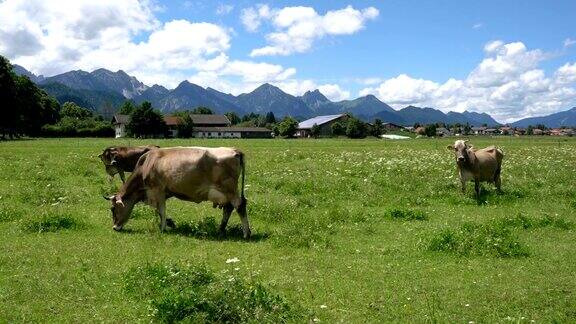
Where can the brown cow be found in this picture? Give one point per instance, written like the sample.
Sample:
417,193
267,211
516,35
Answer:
188,173
482,165
120,159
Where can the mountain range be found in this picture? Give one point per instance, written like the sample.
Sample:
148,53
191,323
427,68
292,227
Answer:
102,89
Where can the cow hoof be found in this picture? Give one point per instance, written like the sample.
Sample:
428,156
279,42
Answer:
170,223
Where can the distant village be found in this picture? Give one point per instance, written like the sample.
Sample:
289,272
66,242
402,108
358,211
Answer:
220,126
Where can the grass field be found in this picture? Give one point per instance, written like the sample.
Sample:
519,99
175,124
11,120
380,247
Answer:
343,230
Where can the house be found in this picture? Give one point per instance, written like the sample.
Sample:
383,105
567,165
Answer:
201,120
479,130
119,122
231,132
205,126
442,131
491,131
324,122
392,127
172,122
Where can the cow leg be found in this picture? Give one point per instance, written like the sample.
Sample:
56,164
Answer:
477,188
226,212
498,181
463,184
241,209
161,208
121,173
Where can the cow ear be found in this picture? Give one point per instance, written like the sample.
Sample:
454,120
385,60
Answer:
108,197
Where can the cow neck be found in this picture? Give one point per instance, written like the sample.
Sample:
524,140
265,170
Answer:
132,188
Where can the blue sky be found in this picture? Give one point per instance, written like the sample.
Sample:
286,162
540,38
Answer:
511,59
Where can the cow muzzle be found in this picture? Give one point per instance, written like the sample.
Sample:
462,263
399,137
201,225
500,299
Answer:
117,228
461,159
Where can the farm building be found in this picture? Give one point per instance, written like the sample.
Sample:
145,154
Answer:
205,126
393,127
324,122
232,132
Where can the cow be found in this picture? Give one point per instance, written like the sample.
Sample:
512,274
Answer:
194,174
483,165
120,159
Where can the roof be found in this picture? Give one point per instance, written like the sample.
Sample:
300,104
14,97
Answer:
201,119
121,119
318,120
232,129
172,120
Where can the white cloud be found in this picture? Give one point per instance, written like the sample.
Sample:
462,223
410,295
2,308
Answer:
63,36
297,28
334,92
506,84
252,17
224,9
477,26
569,42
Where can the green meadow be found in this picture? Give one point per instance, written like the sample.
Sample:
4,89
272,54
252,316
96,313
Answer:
343,231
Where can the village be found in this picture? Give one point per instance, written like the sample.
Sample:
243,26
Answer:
220,126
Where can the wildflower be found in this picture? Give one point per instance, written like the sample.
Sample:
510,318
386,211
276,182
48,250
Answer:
323,306
233,260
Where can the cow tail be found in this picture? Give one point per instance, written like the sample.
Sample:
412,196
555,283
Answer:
243,170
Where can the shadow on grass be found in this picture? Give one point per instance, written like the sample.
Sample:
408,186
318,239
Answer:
208,229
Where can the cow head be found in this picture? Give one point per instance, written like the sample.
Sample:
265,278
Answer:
108,156
460,149
120,211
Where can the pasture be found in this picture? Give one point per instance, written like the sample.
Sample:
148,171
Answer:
343,230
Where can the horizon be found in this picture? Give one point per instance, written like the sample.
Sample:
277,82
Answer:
448,56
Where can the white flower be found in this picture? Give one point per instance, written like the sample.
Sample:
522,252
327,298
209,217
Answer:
323,306
233,260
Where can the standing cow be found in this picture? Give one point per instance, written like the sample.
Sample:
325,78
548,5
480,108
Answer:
120,159
482,165
188,173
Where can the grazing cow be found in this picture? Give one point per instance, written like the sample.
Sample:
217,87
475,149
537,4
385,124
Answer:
188,173
482,165
120,159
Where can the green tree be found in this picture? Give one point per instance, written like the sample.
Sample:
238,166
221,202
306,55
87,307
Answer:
233,117
430,130
337,129
356,128
315,131
202,111
378,128
146,122
36,107
530,130
8,107
270,118
186,127
467,129
127,108
287,127
72,110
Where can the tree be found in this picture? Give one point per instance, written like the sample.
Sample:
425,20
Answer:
202,111
287,127
430,130
186,127
356,128
378,128
467,129
337,129
127,108
270,118
8,108
315,131
145,122
72,110
233,117
530,130
36,107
